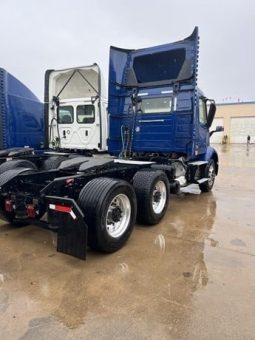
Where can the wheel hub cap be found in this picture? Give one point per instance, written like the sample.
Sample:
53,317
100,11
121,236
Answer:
118,216
159,197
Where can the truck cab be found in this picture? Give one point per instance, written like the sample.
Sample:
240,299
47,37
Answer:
75,109
155,106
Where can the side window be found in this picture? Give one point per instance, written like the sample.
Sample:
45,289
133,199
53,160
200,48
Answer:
85,114
202,111
156,105
65,115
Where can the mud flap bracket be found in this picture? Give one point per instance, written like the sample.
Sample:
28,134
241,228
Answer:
67,219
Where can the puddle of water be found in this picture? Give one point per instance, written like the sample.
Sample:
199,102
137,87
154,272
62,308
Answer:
238,242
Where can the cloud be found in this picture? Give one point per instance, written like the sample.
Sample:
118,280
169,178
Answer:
38,35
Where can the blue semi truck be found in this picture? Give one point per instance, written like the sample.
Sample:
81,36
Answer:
159,130
21,115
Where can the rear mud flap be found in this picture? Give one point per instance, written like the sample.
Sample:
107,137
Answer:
65,216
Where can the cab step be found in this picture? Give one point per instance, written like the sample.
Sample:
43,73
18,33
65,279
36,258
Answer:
198,163
202,180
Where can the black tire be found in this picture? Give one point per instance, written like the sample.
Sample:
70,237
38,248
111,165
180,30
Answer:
209,173
145,183
53,162
16,163
95,200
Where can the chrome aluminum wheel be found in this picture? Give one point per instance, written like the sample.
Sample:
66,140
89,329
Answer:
211,175
159,197
118,216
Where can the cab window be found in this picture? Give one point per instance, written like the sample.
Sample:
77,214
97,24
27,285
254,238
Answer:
156,105
202,111
85,114
65,115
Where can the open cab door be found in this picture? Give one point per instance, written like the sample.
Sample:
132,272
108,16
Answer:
75,109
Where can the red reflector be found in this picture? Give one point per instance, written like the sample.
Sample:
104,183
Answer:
69,180
63,208
31,212
8,205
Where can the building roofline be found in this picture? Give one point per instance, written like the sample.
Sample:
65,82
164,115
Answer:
235,103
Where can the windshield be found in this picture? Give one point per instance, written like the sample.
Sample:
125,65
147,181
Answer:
156,105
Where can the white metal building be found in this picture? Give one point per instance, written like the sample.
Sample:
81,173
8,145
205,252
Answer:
238,120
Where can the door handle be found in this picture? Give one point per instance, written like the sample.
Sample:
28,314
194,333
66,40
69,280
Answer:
151,120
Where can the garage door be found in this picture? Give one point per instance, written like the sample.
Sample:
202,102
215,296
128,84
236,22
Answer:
217,136
240,128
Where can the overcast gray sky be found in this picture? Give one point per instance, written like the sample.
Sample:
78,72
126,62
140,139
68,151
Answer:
53,34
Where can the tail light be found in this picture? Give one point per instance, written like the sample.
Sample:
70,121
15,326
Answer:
8,204
31,211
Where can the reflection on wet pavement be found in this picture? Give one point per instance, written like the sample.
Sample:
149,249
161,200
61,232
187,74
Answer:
190,277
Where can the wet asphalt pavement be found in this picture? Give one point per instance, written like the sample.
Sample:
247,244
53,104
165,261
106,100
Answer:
190,277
